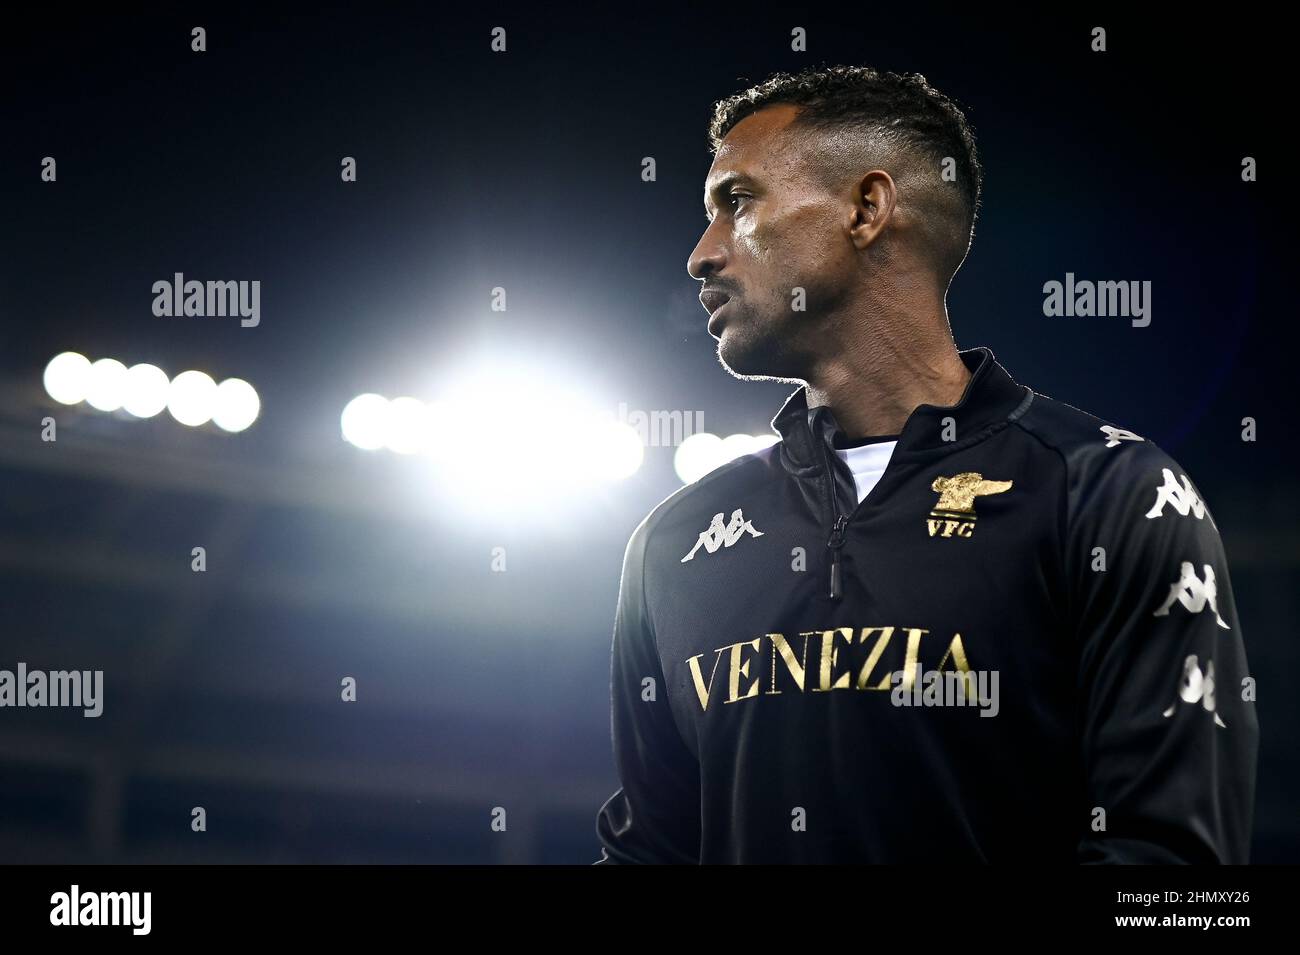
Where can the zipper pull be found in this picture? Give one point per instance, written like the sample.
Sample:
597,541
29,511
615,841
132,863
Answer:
835,544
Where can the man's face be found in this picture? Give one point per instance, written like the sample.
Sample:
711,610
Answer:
773,230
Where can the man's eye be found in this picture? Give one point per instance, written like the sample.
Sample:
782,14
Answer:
733,200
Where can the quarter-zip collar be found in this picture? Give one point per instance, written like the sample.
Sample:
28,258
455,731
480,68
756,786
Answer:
991,399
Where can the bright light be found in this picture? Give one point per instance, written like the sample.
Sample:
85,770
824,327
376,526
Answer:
608,450
107,388
622,452
697,455
408,426
143,391
703,452
365,422
237,405
67,377
519,435
444,432
502,438
192,398
146,390
736,445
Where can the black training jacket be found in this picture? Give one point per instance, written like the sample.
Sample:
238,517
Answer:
779,649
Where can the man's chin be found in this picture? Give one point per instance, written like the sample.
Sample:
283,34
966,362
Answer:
752,361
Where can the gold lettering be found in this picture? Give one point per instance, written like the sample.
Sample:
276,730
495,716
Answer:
701,688
911,666
877,651
949,527
797,668
957,652
880,638
738,670
830,653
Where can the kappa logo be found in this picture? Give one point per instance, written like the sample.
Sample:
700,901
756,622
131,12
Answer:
1115,435
1197,687
1182,498
1192,593
723,535
954,514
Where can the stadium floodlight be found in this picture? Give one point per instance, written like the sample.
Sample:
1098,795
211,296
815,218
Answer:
735,446
621,450
143,391
364,422
697,455
703,452
738,445
501,437
408,428
603,449
147,390
192,398
237,405
67,378
107,388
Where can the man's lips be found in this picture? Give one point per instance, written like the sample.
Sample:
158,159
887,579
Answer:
713,301
711,298
717,319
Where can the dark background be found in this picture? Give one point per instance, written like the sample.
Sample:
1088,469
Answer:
522,170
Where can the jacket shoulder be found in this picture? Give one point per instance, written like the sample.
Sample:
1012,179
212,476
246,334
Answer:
1084,439
726,488
1103,459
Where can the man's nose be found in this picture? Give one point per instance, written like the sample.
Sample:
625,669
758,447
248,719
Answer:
708,258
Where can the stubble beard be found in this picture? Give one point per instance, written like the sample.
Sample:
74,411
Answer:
754,350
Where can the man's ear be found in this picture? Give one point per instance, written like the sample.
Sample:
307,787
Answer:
873,207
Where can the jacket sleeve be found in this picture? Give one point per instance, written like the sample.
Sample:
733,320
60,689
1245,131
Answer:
1167,720
655,816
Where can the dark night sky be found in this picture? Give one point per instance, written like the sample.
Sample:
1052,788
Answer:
522,170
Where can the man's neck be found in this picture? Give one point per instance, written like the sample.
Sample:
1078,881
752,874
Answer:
873,388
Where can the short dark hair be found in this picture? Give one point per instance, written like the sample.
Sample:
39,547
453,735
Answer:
882,117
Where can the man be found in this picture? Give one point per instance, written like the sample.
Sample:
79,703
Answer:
925,525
